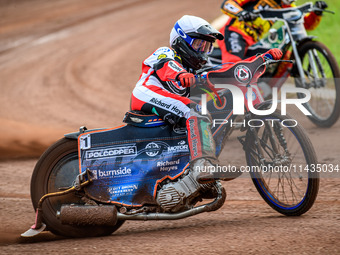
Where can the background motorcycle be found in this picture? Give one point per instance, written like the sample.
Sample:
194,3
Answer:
72,200
315,67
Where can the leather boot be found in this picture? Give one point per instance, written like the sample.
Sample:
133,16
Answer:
204,170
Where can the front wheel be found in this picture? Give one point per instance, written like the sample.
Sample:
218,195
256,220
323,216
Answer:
282,161
55,171
321,74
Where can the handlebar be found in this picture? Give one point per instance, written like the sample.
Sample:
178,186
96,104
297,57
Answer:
271,61
204,75
289,14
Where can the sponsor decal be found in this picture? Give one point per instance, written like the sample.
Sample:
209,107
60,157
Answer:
234,43
242,74
192,128
152,149
115,151
175,67
160,103
181,33
170,107
181,147
162,56
168,163
161,50
194,138
195,147
167,166
85,142
198,108
123,190
177,111
120,172
232,8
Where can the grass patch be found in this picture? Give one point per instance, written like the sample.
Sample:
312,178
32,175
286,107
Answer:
328,30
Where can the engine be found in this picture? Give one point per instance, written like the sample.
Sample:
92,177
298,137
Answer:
180,195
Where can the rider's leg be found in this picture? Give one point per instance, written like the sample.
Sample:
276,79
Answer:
175,109
202,146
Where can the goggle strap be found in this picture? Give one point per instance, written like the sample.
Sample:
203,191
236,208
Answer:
186,37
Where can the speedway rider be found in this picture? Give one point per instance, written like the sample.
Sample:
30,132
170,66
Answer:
164,87
244,29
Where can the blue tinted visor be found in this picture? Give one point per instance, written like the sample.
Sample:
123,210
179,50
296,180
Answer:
198,45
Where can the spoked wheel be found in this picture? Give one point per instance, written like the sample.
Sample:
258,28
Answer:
282,159
322,80
55,171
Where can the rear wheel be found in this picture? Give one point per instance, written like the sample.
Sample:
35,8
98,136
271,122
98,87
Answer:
322,80
282,160
55,171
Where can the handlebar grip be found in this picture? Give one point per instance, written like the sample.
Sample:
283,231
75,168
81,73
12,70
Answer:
322,10
200,79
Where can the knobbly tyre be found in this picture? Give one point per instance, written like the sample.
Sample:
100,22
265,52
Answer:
315,68
91,181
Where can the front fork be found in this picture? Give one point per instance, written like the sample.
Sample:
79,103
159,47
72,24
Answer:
268,135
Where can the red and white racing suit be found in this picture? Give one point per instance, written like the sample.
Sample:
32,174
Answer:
158,91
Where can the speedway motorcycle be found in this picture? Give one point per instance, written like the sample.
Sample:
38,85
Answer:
315,67
90,182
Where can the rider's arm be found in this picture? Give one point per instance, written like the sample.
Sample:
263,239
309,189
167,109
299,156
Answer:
164,64
274,53
171,70
312,21
168,69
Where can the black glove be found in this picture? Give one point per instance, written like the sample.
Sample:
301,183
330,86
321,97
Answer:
246,16
321,5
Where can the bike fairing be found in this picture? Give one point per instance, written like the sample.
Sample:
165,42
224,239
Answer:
128,163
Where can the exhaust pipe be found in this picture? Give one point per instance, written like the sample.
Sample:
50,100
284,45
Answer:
107,215
85,215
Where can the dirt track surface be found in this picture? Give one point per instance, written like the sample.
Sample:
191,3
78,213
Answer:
69,63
